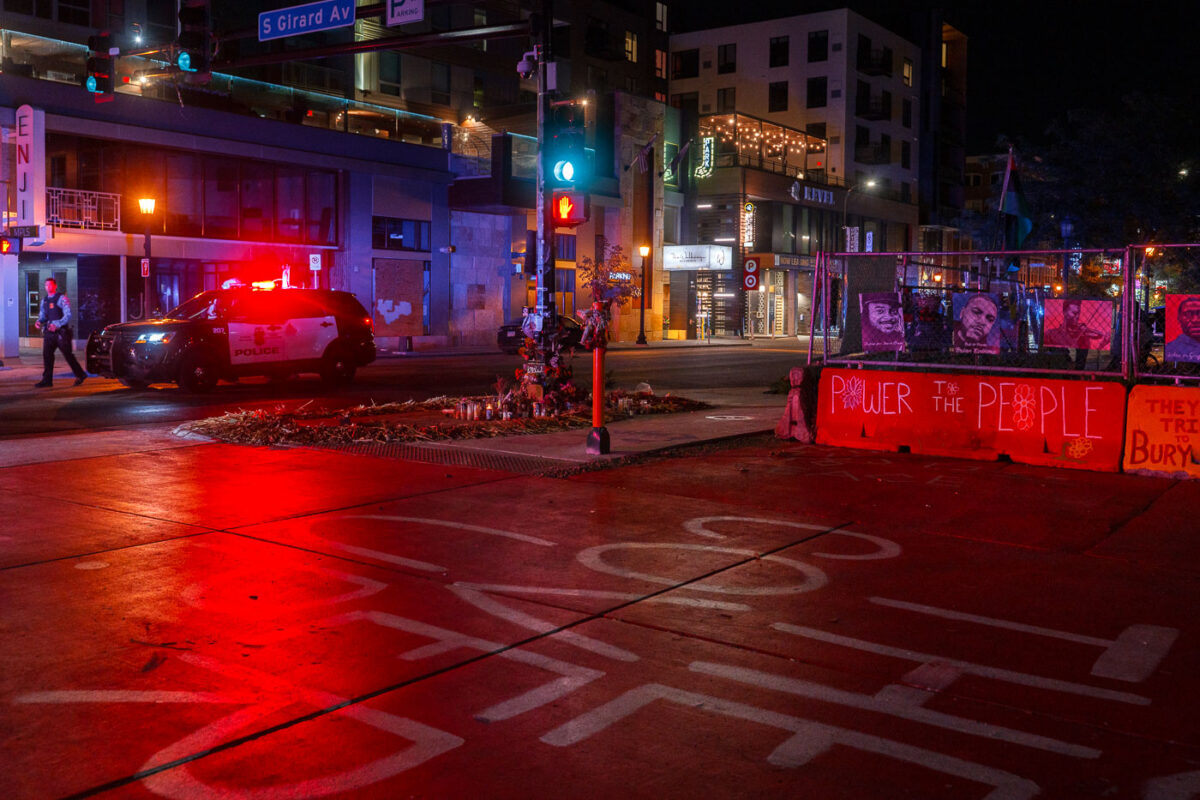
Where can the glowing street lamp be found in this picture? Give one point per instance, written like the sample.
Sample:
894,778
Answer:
869,184
644,251
146,206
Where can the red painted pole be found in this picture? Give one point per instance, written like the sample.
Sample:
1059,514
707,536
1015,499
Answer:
598,388
597,441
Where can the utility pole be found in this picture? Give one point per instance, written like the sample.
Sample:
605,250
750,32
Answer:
546,322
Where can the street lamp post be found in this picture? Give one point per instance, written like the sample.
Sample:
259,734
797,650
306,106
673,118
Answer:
644,250
845,209
146,206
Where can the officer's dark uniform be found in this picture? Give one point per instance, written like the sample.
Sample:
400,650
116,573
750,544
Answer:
56,309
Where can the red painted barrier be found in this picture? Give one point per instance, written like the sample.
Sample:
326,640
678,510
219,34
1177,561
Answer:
1163,434
1076,424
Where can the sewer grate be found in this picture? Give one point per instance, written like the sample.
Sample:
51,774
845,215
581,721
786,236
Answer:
456,457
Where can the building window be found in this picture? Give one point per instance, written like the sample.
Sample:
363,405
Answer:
815,129
289,204
906,113
564,247
906,155
818,46
777,96
995,179
907,72
906,192
726,58
660,16
391,233
389,73
258,201
726,100
630,84
688,101
685,64
779,51
817,91
631,46
440,84
661,97
660,64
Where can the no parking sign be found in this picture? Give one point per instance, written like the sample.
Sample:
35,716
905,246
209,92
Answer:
750,276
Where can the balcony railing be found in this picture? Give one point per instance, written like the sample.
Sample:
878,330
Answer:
875,61
873,154
94,211
875,108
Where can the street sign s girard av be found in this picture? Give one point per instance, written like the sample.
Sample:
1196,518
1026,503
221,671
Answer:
295,20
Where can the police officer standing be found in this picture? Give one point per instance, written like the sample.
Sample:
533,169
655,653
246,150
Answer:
54,323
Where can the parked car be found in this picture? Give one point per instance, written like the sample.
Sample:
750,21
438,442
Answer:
234,333
511,338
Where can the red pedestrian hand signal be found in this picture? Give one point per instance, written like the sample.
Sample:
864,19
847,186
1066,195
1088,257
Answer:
569,208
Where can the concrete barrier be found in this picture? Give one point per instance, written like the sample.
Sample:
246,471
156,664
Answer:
1162,436
1075,424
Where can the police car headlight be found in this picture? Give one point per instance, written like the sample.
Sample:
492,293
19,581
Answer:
155,338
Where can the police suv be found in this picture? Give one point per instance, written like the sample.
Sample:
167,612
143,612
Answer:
233,333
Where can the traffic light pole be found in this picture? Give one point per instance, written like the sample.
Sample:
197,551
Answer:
545,264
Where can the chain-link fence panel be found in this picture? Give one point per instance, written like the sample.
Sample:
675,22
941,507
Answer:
1053,311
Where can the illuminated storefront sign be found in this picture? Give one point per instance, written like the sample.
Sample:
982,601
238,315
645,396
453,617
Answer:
748,225
705,169
706,257
30,143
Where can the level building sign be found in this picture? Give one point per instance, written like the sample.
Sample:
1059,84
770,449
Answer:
295,20
704,257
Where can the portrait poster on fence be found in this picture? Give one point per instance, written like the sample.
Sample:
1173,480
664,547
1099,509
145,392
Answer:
1183,327
975,323
882,321
1078,323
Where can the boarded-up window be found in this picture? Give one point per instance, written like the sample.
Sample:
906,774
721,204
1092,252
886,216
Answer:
399,307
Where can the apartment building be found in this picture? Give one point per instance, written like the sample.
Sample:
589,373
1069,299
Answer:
808,132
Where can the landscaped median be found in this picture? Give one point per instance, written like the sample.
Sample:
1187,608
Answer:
437,419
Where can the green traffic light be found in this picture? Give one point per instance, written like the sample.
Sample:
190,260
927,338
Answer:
564,171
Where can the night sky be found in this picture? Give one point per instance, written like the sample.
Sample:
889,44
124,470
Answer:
1029,62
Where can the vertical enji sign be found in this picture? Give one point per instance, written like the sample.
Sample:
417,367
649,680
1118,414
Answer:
31,165
750,275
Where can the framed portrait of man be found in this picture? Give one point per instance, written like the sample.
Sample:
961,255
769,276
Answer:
882,316
1077,323
976,328
1183,328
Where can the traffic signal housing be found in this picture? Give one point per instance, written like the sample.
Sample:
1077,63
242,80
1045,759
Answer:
567,163
570,207
101,67
194,45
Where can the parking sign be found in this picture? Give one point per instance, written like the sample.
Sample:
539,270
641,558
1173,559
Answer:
750,276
